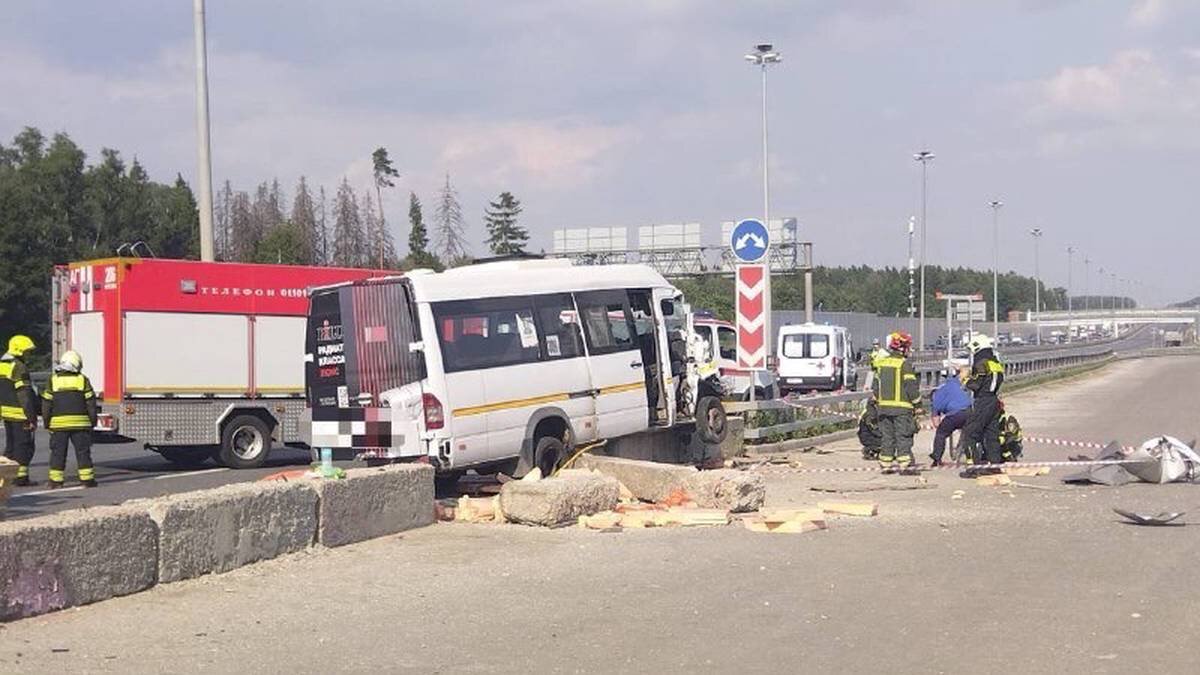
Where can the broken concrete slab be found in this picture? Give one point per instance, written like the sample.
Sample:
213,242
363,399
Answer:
728,489
648,481
217,530
74,558
557,501
374,502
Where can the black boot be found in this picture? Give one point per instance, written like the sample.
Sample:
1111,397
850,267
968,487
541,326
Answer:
89,483
24,481
54,484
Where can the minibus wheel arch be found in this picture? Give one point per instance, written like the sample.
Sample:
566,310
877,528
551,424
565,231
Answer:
545,423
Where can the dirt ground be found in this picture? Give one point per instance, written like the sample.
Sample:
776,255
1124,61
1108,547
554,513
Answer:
1017,579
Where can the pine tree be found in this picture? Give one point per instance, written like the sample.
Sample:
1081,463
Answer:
505,237
304,218
348,240
448,221
243,235
418,236
381,248
221,214
384,173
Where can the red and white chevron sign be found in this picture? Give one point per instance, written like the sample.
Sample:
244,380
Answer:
752,308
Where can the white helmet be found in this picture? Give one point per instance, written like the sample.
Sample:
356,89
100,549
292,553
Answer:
978,342
71,361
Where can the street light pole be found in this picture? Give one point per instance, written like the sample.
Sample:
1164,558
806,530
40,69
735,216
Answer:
763,56
995,204
1037,282
203,146
1070,305
924,157
1087,284
912,309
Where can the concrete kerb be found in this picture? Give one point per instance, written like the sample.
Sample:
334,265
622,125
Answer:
213,531
374,502
648,481
75,558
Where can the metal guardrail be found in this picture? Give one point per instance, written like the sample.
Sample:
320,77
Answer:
1017,366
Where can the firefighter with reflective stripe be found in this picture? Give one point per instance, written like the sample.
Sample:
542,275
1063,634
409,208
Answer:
69,408
898,395
983,428
18,406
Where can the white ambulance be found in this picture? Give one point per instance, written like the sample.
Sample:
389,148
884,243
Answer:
815,357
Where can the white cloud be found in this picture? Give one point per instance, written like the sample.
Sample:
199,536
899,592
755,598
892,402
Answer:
1148,13
1136,100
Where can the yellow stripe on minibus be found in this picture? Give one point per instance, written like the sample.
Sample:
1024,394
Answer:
536,400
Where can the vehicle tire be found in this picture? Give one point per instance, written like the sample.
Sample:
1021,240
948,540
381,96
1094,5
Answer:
444,484
185,456
760,394
548,453
245,443
711,423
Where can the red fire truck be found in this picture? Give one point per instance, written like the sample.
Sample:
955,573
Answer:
194,359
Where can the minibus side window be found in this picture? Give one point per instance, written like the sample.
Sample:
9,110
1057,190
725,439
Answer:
487,333
562,337
606,321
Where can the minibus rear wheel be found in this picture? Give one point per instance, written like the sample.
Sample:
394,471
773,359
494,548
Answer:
710,420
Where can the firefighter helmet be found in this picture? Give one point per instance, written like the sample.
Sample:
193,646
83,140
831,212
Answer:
900,342
19,344
979,342
71,361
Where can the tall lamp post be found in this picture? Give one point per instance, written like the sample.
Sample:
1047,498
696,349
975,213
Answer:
912,309
1070,305
1036,233
996,204
203,147
763,56
1087,284
924,157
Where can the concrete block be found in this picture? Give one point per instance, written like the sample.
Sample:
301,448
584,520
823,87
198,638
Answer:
729,489
8,473
213,531
374,502
558,501
648,481
75,558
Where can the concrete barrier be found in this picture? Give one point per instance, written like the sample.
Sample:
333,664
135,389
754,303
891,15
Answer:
212,531
75,558
374,502
553,502
648,481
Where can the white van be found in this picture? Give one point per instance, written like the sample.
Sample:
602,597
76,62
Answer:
812,356
505,365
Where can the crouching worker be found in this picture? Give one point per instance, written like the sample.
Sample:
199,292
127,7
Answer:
69,408
868,430
951,406
899,396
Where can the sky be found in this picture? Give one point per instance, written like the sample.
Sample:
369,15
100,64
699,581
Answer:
1082,117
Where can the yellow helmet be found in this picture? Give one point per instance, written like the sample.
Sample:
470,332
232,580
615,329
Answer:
71,361
19,344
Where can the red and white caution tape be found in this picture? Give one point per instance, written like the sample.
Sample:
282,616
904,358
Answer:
960,467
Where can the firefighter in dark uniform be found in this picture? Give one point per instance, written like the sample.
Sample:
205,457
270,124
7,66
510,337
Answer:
18,406
69,408
898,395
983,428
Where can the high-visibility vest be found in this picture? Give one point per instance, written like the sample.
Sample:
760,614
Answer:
895,376
68,394
13,378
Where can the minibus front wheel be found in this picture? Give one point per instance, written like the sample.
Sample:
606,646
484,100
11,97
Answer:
711,422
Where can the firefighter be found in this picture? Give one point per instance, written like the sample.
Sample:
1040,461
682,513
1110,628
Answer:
983,428
898,394
69,408
18,406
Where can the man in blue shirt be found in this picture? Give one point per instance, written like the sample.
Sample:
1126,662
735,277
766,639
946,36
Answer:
951,408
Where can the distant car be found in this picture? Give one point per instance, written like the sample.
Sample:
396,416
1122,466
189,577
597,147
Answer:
1003,339
1016,340
737,380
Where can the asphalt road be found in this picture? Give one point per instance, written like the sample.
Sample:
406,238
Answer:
1042,579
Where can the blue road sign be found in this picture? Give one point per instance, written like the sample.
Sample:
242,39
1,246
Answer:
749,240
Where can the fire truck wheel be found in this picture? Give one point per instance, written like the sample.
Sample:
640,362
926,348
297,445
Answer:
185,456
710,419
245,443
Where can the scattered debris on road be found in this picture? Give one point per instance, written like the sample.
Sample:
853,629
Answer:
874,485
993,480
1164,518
783,521
865,509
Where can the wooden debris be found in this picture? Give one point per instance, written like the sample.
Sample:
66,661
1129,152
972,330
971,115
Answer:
605,520
993,480
1027,470
786,527
689,517
865,509
918,484
477,510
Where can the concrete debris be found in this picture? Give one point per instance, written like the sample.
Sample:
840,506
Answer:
850,508
1027,470
872,486
558,501
734,491
646,516
786,521
648,481
993,480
